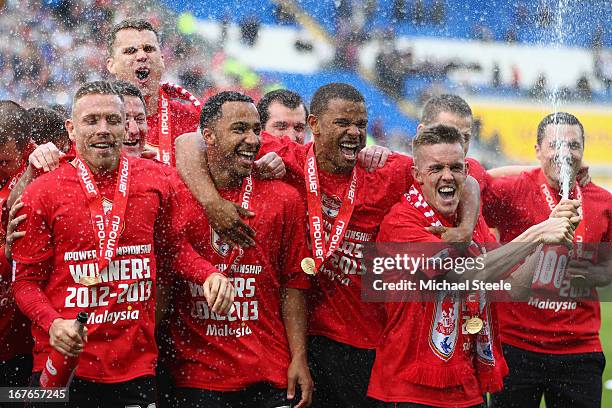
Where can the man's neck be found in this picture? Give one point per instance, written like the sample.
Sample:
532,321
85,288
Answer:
151,102
222,177
102,170
555,184
328,166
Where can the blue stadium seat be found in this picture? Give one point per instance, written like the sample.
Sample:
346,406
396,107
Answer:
379,105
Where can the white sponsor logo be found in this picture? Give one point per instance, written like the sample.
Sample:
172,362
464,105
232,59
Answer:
312,175
112,317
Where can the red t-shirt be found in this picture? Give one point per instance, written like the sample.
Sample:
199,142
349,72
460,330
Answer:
336,309
185,118
59,248
479,173
398,353
224,353
513,204
15,335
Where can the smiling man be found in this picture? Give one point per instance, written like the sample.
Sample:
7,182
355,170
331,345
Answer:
445,363
257,356
283,113
135,117
555,353
94,228
134,55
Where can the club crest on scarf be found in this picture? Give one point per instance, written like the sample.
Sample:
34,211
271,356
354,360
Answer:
445,325
444,331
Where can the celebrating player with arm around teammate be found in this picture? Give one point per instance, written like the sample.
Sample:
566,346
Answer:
555,350
94,228
135,56
454,355
256,355
346,205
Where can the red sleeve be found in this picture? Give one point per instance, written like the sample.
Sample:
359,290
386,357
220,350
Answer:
497,200
29,296
292,153
32,255
37,244
294,247
477,171
6,268
174,253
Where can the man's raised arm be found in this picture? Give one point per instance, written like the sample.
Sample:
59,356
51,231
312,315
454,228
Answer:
224,216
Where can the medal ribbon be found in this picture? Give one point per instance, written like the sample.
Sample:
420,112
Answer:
315,214
106,229
416,199
168,90
245,202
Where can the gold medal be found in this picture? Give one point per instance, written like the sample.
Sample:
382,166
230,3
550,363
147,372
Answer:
89,280
474,325
308,266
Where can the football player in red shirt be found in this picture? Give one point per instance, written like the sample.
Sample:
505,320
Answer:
447,363
135,55
283,113
265,329
46,157
346,209
551,343
95,230
15,337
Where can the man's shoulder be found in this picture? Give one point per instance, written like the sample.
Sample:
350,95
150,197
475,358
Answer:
594,192
395,162
396,170
182,107
403,212
526,180
54,179
149,171
475,165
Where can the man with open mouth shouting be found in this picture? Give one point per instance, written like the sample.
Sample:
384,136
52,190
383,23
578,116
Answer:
345,207
134,55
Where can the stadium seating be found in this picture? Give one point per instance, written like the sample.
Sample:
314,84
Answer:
379,105
462,18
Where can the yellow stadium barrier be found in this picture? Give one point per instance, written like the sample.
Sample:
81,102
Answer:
517,125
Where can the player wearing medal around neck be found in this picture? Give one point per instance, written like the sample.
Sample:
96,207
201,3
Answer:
256,355
346,205
95,228
551,343
454,355
135,55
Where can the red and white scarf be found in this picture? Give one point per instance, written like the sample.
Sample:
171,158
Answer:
445,366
